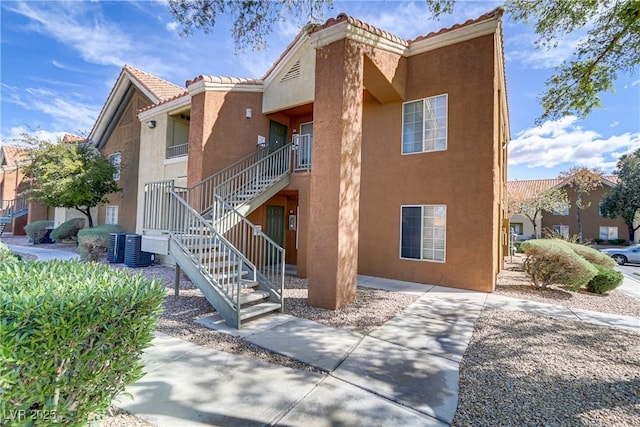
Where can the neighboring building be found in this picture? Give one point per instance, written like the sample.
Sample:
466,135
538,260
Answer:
398,157
13,209
116,134
564,221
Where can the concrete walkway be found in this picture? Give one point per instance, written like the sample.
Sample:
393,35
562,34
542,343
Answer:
43,253
403,373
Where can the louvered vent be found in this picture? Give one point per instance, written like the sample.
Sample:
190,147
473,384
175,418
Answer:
293,72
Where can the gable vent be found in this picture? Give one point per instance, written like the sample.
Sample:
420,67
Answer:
293,72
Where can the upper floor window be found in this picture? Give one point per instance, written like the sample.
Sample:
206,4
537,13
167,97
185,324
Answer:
115,160
562,209
111,215
424,125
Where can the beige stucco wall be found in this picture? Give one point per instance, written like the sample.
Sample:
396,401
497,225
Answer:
61,215
527,227
153,164
300,90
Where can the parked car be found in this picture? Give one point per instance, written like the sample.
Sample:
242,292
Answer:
624,255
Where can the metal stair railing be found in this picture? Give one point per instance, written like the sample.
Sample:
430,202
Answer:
13,208
201,194
301,148
251,180
260,249
204,245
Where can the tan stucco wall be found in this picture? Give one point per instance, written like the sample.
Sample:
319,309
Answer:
153,165
462,177
300,90
125,139
591,219
527,230
220,134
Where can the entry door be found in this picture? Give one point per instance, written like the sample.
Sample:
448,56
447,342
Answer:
277,136
275,229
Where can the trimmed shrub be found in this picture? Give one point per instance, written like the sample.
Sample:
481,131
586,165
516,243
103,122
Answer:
593,255
71,336
94,242
6,255
605,281
68,230
519,248
37,230
552,261
618,242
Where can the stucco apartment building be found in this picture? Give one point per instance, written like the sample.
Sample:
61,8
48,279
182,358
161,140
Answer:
397,152
13,159
564,221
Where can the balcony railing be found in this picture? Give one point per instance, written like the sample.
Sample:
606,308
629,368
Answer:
301,150
179,150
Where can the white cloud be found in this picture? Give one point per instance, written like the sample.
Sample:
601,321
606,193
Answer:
84,29
521,48
564,142
14,136
172,26
69,111
614,123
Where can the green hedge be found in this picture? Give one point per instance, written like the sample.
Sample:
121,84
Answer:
71,336
606,280
68,230
592,255
6,255
94,242
552,261
37,230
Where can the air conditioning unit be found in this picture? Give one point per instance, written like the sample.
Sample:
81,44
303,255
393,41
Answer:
134,256
115,251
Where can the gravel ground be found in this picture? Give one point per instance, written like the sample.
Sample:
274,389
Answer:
514,282
519,369
522,369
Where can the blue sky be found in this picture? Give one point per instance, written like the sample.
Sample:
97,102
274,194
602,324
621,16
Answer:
59,60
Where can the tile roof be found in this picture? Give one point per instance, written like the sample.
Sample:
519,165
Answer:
160,88
532,188
72,139
13,154
224,80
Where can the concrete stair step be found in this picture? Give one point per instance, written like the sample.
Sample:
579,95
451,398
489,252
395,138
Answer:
258,309
249,297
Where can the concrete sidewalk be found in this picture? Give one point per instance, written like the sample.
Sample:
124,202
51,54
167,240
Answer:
403,373
44,254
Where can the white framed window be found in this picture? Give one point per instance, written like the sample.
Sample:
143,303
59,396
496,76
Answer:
562,210
561,230
609,233
115,160
424,125
111,216
517,228
423,232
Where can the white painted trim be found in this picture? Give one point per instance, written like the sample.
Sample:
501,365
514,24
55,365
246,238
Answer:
204,86
453,36
345,30
175,160
167,108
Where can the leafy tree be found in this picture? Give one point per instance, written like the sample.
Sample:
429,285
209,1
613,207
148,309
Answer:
624,198
550,200
69,175
583,180
610,45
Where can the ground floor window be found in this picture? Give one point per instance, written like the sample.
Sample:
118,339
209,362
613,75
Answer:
111,216
517,228
609,233
561,230
423,232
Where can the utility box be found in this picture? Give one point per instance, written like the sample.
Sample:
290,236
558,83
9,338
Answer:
115,251
134,256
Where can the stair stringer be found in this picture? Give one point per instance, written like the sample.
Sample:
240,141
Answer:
229,313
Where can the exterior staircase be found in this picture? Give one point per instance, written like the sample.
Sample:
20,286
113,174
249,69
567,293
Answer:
11,209
238,268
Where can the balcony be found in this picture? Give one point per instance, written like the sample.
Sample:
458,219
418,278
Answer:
179,150
301,151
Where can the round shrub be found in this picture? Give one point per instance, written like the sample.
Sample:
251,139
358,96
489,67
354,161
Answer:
552,261
6,255
592,255
605,281
94,242
37,230
68,230
71,336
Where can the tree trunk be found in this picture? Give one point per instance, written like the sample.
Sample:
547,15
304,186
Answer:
632,233
579,224
87,213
